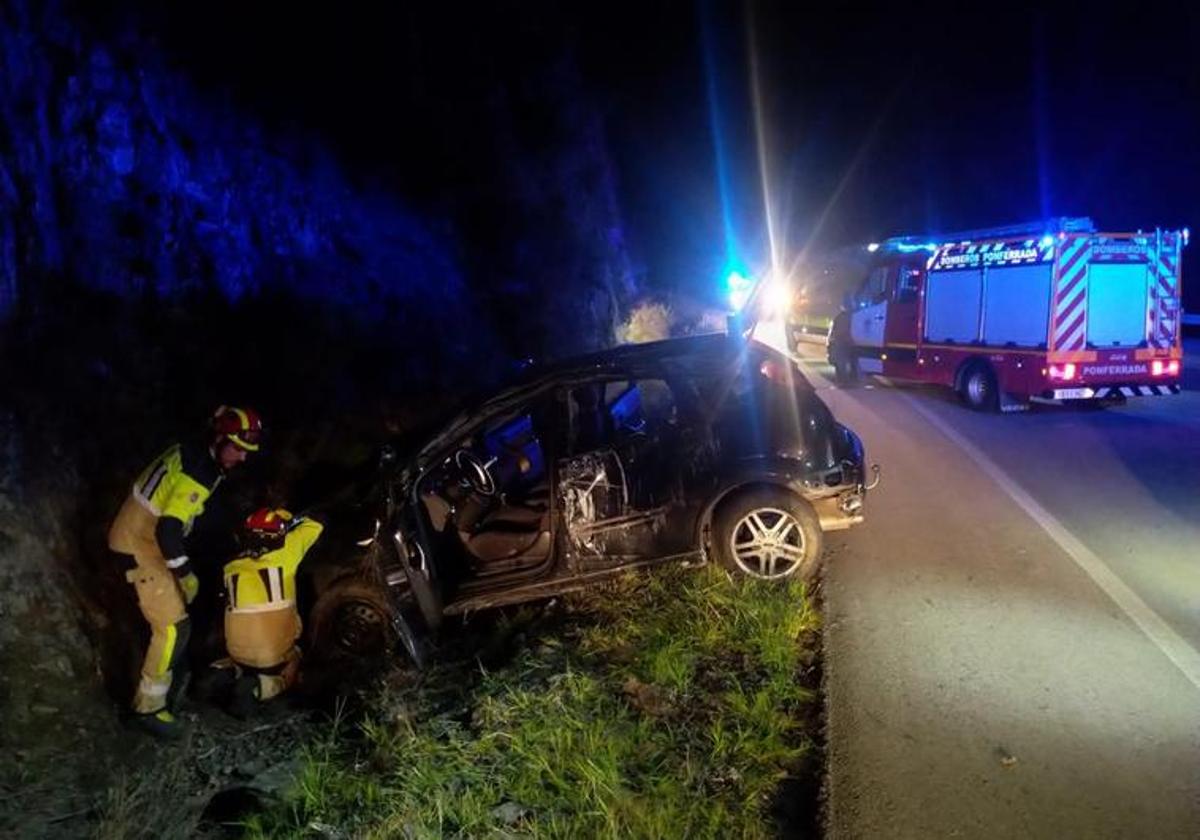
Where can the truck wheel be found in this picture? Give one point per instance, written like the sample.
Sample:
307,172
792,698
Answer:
979,389
769,534
845,365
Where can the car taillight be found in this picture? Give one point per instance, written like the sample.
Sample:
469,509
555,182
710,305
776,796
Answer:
1164,367
1065,372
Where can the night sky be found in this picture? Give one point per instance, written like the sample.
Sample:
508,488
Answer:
877,121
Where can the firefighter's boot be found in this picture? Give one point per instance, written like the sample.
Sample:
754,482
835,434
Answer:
244,700
215,684
275,681
160,724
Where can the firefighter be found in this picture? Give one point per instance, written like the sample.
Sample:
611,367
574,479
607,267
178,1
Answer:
262,623
148,538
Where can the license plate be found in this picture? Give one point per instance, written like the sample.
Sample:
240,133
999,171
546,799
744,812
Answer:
1074,394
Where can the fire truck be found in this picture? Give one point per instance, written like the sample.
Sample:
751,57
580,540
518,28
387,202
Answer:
1053,311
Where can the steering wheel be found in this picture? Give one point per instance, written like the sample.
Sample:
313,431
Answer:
475,472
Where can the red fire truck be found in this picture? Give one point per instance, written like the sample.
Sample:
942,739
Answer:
1046,312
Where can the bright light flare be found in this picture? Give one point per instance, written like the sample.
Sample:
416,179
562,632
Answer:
777,297
738,286
1164,367
1064,372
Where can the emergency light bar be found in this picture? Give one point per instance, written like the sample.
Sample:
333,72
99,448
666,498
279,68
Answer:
1035,229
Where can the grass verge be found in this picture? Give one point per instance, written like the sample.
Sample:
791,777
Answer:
669,704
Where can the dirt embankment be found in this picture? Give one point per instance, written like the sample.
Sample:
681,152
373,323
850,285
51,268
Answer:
56,717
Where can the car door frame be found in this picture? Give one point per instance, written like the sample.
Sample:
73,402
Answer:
575,533
423,573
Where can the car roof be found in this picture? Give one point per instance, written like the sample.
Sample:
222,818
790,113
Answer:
701,351
708,350
697,348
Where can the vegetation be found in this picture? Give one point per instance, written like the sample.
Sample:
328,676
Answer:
664,705
648,321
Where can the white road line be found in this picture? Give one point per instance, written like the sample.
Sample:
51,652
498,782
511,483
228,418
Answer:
1182,655
1185,657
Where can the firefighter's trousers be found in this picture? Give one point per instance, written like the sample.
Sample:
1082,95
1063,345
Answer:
264,641
160,600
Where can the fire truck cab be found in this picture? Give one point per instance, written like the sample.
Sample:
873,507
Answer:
1051,311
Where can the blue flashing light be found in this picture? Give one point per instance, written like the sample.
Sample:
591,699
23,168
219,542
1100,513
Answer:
1187,234
906,248
1047,241
738,286
873,247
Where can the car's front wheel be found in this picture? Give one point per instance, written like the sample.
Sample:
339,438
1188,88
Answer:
353,618
769,534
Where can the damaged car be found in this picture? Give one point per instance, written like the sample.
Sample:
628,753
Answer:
693,450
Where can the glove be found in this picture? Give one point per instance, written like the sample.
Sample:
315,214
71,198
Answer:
190,584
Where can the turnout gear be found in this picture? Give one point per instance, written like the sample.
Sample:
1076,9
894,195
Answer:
148,533
167,498
190,584
262,623
240,426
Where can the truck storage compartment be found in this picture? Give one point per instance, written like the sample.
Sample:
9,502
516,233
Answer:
1016,305
952,305
1116,304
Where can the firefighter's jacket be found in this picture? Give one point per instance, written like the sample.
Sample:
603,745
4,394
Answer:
167,498
261,620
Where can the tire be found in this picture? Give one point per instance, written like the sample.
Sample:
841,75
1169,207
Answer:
353,618
979,389
845,364
793,551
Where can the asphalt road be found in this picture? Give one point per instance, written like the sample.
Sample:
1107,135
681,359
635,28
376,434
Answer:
1011,644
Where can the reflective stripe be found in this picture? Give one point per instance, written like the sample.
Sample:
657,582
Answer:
275,576
261,608
164,661
144,502
153,688
176,562
156,476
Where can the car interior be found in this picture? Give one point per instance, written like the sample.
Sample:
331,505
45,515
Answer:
489,501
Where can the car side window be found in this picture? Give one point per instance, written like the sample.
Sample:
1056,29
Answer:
644,405
604,413
908,284
623,403
515,447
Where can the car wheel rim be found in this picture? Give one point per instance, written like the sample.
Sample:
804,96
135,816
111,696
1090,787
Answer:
768,543
360,628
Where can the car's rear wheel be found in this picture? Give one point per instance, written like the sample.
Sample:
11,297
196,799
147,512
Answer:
768,534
